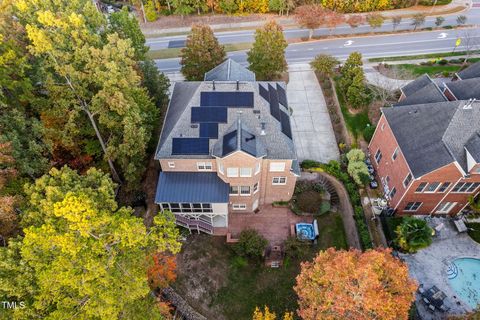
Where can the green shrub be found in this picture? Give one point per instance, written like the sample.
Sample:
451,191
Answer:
355,155
308,164
368,132
446,74
294,248
250,244
448,27
442,62
325,207
239,262
413,234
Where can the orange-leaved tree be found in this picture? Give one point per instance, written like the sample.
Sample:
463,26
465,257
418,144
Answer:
266,314
161,270
310,16
354,285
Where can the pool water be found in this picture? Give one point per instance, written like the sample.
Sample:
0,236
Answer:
305,231
464,277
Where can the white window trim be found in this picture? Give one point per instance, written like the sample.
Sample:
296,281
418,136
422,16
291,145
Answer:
421,204
383,126
232,175
245,175
234,194
257,168
391,191
379,152
436,188
394,157
204,165
220,169
279,183
171,164
423,189
449,206
405,185
255,191
448,186
239,206
245,194
273,167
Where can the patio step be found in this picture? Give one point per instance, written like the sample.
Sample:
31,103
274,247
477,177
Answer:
334,198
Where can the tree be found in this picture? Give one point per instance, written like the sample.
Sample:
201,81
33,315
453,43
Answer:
350,69
127,27
310,17
94,250
375,20
266,314
357,92
161,270
396,20
150,11
355,155
250,244
325,64
267,56
358,171
155,82
202,53
184,7
333,19
355,21
413,234
8,217
439,21
461,20
418,19
354,285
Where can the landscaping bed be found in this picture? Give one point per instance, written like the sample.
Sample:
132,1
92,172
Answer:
475,233
222,285
309,198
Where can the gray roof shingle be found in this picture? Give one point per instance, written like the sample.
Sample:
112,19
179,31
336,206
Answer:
427,94
472,71
473,146
229,70
416,85
465,89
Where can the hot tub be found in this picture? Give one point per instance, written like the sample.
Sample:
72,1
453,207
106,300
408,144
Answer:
307,231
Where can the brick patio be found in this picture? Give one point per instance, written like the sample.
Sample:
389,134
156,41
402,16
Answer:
273,223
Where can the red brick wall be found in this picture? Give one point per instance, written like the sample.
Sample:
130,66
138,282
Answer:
397,169
449,95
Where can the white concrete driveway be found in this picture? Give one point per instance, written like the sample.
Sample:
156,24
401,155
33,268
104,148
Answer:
311,126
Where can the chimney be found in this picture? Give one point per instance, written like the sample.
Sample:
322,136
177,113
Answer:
213,83
238,85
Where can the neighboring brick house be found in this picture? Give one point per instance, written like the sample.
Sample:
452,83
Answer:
226,147
427,153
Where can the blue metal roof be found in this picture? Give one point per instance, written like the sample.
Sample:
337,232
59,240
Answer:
191,187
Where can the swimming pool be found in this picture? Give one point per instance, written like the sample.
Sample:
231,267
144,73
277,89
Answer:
464,277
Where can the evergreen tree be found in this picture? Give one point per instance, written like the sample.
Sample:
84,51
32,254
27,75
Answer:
267,56
201,53
127,27
325,64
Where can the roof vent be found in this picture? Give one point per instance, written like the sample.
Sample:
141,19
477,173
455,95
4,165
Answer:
469,104
194,126
263,125
238,85
413,111
213,83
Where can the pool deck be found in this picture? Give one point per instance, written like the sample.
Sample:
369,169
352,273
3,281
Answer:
428,266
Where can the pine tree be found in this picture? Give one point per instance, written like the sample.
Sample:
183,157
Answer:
267,56
201,53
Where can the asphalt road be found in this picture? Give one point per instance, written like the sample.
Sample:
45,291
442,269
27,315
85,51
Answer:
369,46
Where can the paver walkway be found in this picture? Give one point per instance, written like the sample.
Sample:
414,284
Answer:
345,208
311,126
377,79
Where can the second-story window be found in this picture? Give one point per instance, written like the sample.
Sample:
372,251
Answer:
277,166
421,187
443,187
204,166
245,190
245,172
432,187
279,180
392,193
232,172
407,180
257,168
234,190
395,154
378,156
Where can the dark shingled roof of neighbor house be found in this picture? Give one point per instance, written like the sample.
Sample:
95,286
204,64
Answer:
465,89
229,70
473,146
416,85
427,94
472,71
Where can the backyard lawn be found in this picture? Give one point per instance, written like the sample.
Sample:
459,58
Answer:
434,71
221,285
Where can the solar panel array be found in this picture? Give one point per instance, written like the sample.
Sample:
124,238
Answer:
286,127
274,106
264,92
282,95
209,130
234,99
190,146
275,96
229,142
209,114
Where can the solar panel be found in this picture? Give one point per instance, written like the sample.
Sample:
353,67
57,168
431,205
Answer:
209,130
274,107
263,92
249,143
209,114
190,146
282,95
229,142
286,127
227,99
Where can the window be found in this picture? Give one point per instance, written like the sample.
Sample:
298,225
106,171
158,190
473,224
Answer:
407,180
245,190
232,172
239,206
171,164
395,154
421,187
204,166
432,187
465,187
234,190
443,187
445,207
393,192
255,188
186,207
378,156
412,206
197,207
476,170
257,168
383,126
279,180
220,168
245,172
277,166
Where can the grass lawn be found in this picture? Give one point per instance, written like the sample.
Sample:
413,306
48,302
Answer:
355,122
175,52
434,70
229,287
422,56
475,233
